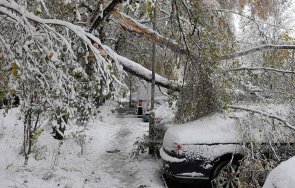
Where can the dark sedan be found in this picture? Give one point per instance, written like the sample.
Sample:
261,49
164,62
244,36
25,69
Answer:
208,150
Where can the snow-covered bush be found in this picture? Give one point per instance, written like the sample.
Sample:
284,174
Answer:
140,146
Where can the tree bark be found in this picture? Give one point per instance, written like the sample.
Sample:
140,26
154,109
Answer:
99,18
135,26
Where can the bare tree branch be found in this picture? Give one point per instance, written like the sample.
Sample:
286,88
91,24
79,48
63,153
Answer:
263,114
265,69
256,49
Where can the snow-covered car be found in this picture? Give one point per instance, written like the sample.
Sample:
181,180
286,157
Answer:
283,176
206,149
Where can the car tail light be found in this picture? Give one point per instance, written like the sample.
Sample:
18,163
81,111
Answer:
178,148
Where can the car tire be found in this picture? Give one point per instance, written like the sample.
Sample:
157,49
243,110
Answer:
226,175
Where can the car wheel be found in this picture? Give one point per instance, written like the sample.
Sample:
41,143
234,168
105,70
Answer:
226,175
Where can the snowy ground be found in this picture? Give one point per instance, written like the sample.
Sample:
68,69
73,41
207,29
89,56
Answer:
97,157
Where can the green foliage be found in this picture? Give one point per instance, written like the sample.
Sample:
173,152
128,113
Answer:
141,146
36,133
150,9
14,69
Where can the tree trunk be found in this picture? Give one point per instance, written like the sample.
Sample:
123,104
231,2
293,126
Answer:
152,114
197,98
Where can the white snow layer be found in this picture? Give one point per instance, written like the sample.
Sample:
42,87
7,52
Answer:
212,129
283,176
192,174
55,163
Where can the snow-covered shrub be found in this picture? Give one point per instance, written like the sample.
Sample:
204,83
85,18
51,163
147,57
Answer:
55,155
81,140
253,170
270,142
141,145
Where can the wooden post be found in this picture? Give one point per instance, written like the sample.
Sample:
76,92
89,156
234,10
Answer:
130,91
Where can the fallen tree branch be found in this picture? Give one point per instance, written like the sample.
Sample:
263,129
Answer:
263,114
99,17
135,26
256,49
128,65
135,68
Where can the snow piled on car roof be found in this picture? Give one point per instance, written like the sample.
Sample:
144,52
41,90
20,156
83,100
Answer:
216,128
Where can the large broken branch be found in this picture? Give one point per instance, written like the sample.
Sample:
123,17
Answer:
99,17
147,76
135,26
259,48
135,68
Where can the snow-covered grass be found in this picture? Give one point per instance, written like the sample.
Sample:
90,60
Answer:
94,156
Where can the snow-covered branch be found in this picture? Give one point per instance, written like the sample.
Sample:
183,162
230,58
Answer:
259,48
137,69
263,114
129,65
264,69
252,18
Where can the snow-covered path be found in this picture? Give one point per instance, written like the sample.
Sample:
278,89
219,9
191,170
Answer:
104,163
117,162
117,159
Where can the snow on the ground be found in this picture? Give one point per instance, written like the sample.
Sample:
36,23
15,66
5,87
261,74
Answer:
97,157
283,176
